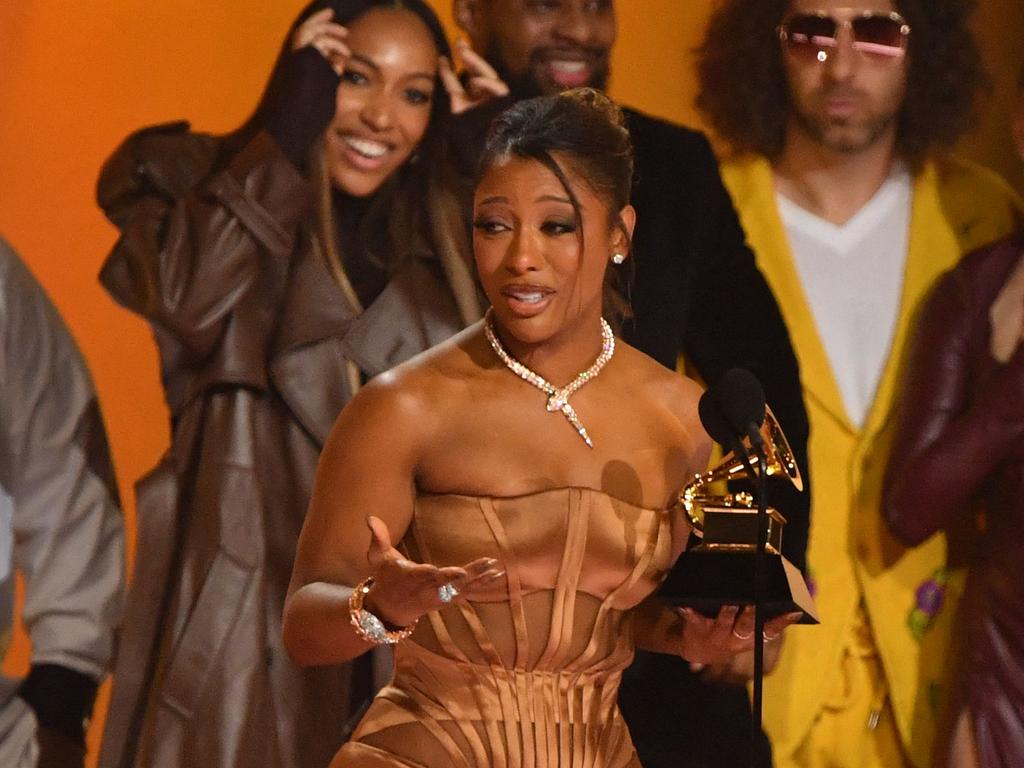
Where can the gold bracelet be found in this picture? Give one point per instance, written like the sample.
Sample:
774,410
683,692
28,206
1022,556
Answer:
369,627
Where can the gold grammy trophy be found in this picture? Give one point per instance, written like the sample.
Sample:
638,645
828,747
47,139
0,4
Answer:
720,570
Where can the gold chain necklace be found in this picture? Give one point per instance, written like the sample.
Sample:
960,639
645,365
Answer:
558,399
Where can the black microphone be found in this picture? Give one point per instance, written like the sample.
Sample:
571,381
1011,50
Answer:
741,400
713,419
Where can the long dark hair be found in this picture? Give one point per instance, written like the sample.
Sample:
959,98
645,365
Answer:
743,89
415,213
589,130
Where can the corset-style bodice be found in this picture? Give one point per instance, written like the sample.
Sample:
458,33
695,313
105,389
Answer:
527,676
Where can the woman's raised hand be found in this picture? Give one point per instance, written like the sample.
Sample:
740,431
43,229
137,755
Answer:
325,35
403,591
481,80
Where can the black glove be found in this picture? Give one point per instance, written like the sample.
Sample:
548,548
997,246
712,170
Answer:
61,698
305,103
56,750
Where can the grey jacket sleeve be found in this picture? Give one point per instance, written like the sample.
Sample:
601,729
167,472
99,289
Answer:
55,467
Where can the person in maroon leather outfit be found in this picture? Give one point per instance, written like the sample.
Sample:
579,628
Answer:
959,451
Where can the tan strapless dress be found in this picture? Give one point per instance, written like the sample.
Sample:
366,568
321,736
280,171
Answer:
528,676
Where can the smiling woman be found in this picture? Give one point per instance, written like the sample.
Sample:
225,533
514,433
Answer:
280,266
384,101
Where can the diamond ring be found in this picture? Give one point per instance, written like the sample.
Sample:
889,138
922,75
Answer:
447,592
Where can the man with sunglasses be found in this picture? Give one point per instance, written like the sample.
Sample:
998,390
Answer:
838,113
694,291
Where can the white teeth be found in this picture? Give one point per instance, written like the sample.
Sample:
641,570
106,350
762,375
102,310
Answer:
529,298
569,67
368,149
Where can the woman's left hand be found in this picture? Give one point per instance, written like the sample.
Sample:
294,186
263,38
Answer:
719,640
482,81
321,32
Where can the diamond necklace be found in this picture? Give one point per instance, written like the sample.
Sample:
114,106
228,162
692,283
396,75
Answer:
558,399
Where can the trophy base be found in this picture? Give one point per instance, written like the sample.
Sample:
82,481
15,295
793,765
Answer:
705,580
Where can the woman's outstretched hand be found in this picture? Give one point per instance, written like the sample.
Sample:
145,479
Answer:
718,640
482,82
319,31
403,590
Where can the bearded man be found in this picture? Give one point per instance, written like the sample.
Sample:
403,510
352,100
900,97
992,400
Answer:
840,114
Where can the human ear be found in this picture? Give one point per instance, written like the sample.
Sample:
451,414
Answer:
468,17
622,234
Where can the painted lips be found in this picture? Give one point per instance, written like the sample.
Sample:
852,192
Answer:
527,300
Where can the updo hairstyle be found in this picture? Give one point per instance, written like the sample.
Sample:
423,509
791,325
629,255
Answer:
582,125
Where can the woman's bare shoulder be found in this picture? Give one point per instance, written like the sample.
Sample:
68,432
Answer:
662,385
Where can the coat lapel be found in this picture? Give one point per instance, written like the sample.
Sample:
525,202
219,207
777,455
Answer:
752,186
307,364
324,340
414,312
932,250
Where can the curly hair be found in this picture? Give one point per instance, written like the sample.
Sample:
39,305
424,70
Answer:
744,96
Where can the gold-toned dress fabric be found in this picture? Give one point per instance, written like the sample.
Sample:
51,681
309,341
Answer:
529,676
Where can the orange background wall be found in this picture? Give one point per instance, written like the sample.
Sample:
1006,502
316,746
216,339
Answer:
75,78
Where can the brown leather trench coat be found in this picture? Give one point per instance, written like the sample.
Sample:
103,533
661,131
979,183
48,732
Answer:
258,346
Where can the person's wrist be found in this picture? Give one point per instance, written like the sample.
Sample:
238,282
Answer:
61,699
391,619
56,750
368,625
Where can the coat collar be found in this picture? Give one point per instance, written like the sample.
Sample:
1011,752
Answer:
324,342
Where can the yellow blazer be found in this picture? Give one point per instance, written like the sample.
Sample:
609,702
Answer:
956,208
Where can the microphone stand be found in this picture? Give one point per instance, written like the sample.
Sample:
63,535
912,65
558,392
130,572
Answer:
760,570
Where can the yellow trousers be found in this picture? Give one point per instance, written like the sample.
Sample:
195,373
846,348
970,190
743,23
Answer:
856,728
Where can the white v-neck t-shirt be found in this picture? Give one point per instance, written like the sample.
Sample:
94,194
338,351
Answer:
852,277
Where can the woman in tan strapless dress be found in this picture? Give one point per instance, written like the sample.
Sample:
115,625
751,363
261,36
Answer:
534,521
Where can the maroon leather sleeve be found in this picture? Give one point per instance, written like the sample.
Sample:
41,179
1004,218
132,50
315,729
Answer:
950,438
